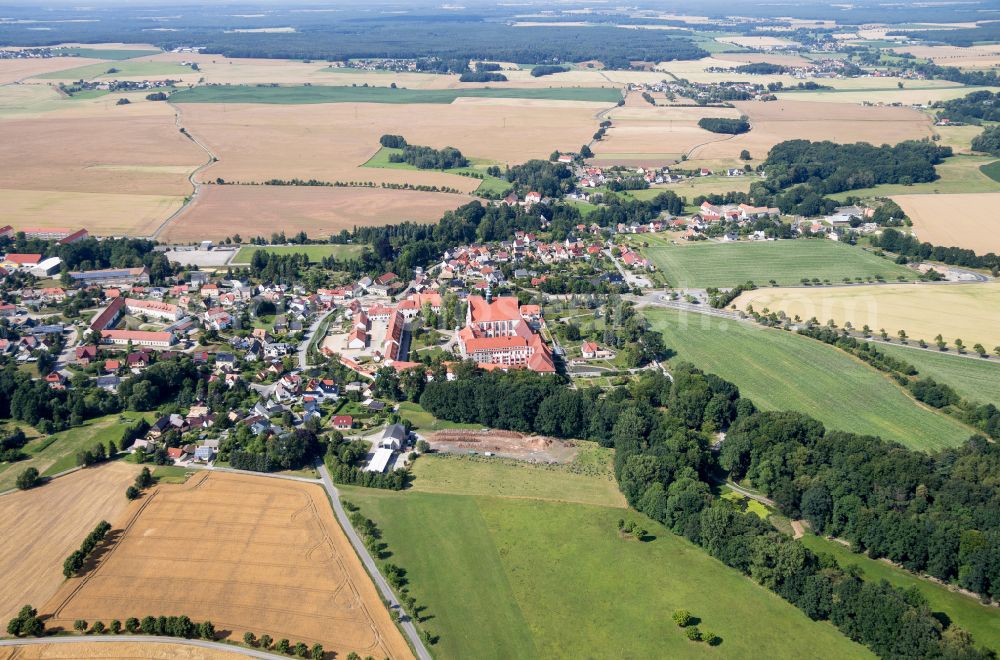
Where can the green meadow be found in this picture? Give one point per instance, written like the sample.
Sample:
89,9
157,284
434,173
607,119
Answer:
783,371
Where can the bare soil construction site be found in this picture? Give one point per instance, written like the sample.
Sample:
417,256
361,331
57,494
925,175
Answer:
249,554
510,444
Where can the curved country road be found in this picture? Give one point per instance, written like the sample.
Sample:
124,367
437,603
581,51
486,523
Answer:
134,639
405,622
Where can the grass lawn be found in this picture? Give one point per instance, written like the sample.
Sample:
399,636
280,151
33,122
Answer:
56,453
992,170
965,611
315,252
171,474
691,188
330,94
748,505
125,70
784,371
522,578
975,379
500,477
107,53
959,174
787,262
424,421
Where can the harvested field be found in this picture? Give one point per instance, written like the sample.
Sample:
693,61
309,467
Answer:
249,554
505,443
975,57
970,312
41,527
329,142
131,152
311,94
665,131
13,70
781,59
640,128
250,211
756,42
115,647
946,220
104,214
787,120
912,92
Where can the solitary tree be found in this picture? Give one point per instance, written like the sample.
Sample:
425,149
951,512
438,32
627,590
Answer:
979,348
317,652
902,336
249,638
80,625
265,641
959,346
29,478
745,155
682,618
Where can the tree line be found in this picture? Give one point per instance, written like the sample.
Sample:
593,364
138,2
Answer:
906,245
878,494
74,563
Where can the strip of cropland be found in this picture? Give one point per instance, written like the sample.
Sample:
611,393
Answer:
976,379
494,575
786,262
332,94
780,370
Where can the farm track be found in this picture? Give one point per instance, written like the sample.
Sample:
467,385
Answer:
195,184
143,639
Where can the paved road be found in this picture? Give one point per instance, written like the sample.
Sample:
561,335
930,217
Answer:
304,346
143,639
405,622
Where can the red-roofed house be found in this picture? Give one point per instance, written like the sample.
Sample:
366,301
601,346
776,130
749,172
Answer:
343,422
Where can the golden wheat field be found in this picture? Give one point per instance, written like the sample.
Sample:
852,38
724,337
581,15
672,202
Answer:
115,647
970,312
248,553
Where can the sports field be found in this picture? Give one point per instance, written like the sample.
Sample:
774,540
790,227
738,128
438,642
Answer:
970,312
315,253
964,611
976,379
779,370
331,94
246,552
496,578
951,220
707,264
40,527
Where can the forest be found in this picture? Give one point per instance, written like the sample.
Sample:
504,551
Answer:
936,513
724,125
800,172
429,158
974,108
547,70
